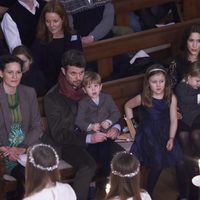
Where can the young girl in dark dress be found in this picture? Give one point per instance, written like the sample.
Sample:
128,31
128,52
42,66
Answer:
155,144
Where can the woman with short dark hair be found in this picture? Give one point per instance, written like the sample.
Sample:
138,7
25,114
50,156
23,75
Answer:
20,124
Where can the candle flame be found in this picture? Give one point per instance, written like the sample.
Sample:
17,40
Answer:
107,188
199,164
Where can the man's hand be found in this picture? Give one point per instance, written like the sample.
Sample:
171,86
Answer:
112,133
98,137
87,39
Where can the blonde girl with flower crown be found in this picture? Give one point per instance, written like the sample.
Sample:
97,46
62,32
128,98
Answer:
42,176
125,178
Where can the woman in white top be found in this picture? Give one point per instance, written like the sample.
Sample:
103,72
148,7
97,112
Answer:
42,176
125,178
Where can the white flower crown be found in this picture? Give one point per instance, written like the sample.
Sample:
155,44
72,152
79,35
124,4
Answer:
31,158
129,175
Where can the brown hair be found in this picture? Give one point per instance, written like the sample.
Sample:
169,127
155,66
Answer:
53,6
193,70
91,77
23,50
124,187
37,179
147,93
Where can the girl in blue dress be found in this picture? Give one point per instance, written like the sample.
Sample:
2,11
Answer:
155,144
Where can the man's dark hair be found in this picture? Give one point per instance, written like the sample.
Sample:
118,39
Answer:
73,57
6,59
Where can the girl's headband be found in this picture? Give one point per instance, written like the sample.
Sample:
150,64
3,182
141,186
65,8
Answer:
156,69
129,175
39,166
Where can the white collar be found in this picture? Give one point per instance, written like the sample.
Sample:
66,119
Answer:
96,100
35,5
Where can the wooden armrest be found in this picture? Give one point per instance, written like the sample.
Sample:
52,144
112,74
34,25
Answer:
130,127
124,136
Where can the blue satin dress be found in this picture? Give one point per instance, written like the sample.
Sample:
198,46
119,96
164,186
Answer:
152,136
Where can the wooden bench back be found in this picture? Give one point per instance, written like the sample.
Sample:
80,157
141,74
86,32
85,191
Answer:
123,89
123,7
191,9
103,51
188,8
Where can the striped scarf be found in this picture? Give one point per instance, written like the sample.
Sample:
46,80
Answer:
75,6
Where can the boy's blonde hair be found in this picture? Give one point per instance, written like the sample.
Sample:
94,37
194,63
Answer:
194,70
91,77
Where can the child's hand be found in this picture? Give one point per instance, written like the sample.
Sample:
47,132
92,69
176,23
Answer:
170,144
98,137
105,124
95,127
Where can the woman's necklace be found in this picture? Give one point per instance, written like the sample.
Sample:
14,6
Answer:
13,100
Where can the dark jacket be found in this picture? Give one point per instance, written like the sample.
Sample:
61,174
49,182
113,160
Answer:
47,57
61,112
35,78
89,112
187,102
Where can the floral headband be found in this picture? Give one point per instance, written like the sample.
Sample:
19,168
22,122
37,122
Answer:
32,160
129,175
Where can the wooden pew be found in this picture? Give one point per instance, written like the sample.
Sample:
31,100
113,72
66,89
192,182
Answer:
123,7
191,9
123,89
103,51
188,9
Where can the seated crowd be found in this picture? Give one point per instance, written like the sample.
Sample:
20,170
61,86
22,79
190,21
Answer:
45,59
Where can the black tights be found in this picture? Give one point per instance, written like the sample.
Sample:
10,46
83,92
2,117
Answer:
190,142
155,172
195,139
153,176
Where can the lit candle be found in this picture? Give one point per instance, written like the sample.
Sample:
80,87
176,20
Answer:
199,165
107,188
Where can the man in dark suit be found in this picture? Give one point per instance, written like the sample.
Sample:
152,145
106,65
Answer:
61,108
